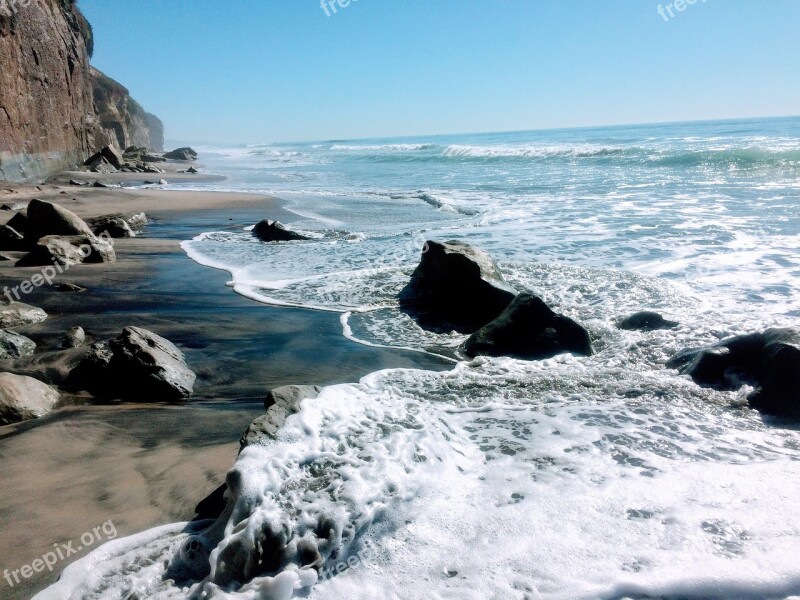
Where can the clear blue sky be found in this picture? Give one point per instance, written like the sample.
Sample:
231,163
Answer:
249,71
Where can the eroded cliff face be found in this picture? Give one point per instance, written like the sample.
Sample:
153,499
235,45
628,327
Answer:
122,120
50,111
46,107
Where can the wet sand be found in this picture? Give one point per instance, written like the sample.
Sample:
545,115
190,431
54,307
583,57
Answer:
145,465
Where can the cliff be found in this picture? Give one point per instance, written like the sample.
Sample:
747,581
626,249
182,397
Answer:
122,120
51,115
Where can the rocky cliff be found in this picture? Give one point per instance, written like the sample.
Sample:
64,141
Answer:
122,120
51,114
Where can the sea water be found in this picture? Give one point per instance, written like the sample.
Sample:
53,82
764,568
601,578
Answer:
607,476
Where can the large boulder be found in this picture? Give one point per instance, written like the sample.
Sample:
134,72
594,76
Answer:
281,403
138,365
14,345
273,231
455,286
646,321
46,218
23,398
770,361
17,314
68,250
530,330
181,154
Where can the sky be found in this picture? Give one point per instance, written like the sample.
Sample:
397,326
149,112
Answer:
260,71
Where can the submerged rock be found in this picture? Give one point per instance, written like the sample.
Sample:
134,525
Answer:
530,330
14,345
23,398
280,403
68,250
16,314
273,231
74,338
137,365
646,321
769,360
455,286
185,153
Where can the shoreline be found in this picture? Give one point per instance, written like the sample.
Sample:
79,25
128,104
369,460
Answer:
146,465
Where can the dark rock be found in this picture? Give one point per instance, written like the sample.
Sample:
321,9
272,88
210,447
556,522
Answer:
213,505
530,330
138,365
76,182
23,398
14,345
108,154
280,403
5,258
770,361
68,250
191,170
103,184
15,206
68,287
74,338
646,321
455,286
46,218
151,158
19,222
181,154
11,239
273,231
16,314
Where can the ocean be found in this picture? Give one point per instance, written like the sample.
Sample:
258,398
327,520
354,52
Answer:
608,476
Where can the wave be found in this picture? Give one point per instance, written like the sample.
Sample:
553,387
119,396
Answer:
530,151
383,147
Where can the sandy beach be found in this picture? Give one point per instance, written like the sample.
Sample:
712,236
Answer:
144,465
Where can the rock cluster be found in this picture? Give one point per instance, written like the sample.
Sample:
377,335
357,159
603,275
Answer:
55,235
459,287
185,153
133,160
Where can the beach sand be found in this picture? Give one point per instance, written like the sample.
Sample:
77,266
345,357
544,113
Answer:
142,465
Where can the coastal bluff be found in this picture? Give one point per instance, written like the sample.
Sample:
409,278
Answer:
55,109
